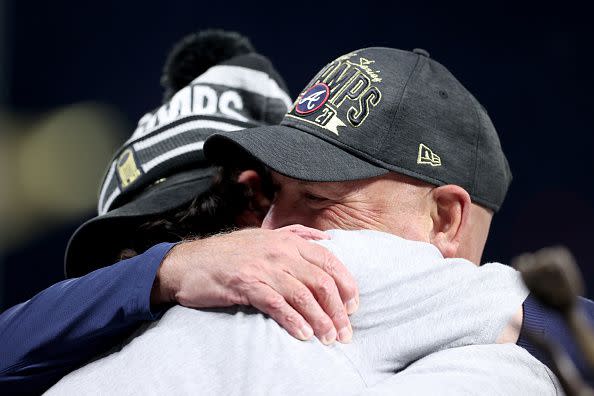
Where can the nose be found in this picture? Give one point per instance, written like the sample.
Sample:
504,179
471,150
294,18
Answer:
285,210
271,221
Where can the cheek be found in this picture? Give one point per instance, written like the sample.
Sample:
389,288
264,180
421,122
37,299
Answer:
411,227
320,219
322,222
334,217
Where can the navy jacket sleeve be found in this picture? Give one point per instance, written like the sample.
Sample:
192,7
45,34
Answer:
60,328
548,324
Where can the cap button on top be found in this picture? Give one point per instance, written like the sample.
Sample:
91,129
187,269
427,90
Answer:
422,52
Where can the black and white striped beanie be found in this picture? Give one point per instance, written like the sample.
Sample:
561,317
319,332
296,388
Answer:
162,166
242,92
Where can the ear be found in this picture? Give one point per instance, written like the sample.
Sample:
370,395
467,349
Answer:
259,203
450,215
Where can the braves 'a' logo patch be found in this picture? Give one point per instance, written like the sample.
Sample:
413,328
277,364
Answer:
313,99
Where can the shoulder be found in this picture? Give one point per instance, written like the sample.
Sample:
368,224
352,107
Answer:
365,239
363,251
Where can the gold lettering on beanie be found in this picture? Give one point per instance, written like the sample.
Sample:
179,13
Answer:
127,169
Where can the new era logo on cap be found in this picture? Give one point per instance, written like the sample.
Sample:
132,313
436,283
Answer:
426,156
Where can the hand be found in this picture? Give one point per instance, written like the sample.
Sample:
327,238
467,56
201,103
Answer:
299,284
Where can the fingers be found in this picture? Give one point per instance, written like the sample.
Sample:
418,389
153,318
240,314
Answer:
315,296
266,299
305,232
326,292
326,261
299,284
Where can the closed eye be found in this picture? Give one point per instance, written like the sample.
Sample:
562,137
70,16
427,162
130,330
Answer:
314,198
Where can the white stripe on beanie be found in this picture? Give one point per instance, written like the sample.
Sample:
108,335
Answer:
171,154
179,129
243,78
106,185
110,200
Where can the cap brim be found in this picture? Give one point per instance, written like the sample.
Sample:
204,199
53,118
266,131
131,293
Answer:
293,153
95,243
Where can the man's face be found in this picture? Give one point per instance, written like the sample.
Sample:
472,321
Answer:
392,203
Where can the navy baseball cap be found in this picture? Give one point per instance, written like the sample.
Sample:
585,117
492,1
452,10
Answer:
380,110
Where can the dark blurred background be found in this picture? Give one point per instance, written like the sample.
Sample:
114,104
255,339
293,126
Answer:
75,76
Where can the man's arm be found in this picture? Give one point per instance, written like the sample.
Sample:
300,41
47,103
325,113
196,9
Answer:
299,284
68,323
548,324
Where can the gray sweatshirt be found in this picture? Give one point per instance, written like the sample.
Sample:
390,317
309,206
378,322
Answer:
418,312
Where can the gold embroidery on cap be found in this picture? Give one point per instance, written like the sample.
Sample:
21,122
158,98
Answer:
127,168
427,156
352,94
